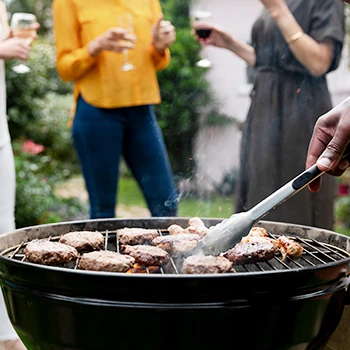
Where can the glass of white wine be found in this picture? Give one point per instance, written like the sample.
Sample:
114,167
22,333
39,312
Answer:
23,26
126,21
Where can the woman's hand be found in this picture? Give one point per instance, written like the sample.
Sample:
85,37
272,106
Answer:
164,35
218,36
114,39
330,141
14,48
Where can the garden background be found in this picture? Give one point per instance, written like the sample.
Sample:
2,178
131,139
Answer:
49,184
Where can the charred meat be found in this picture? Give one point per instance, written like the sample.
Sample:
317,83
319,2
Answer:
105,260
146,255
251,252
177,245
135,236
259,234
84,241
41,251
203,264
289,247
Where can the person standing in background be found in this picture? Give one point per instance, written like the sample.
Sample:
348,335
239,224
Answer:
113,114
294,45
10,48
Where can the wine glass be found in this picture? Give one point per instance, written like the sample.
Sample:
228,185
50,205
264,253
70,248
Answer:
23,26
126,21
202,33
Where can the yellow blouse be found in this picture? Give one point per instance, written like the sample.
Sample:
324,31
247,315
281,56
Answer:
100,80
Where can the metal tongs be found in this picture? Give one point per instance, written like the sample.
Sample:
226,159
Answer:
230,231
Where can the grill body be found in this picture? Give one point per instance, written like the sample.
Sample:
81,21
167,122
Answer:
55,308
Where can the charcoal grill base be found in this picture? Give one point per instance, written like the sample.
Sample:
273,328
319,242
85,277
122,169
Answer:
50,322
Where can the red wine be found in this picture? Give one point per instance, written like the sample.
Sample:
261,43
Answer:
203,33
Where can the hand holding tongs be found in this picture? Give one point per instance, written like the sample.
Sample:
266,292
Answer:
230,231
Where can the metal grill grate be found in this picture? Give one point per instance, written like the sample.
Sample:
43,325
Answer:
315,253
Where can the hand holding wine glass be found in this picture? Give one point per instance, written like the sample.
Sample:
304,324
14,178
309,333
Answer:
212,34
202,31
24,26
125,21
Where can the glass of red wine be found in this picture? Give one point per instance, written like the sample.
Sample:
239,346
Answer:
202,33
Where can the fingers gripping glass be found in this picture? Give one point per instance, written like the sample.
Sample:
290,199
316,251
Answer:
23,26
126,22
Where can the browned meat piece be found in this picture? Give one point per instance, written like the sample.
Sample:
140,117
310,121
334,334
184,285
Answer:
146,255
41,251
134,236
84,241
196,225
105,260
259,234
251,252
176,229
289,247
203,264
177,245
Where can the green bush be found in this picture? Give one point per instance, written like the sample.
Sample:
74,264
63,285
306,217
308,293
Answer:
36,202
38,108
342,211
23,90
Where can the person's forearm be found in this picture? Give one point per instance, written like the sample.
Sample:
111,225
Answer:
244,51
315,57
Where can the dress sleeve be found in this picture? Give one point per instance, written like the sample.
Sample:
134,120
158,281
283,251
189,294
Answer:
328,24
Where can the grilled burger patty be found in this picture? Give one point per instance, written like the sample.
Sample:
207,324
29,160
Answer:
203,264
146,255
251,252
106,260
84,241
135,236
41,251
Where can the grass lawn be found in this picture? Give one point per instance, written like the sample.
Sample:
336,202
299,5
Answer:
214,206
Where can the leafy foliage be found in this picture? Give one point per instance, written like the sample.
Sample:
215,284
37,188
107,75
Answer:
38,108
35,200
23,90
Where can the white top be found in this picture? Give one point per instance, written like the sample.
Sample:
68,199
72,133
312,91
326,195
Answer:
4,131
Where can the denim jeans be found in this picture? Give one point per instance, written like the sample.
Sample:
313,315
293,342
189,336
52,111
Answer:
101,136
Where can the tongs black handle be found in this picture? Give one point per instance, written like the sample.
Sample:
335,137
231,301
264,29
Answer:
285,192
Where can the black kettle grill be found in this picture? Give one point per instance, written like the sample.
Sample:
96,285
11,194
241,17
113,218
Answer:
275,305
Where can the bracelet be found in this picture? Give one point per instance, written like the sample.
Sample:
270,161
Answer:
295,37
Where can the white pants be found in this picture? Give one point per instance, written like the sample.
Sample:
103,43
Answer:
7,223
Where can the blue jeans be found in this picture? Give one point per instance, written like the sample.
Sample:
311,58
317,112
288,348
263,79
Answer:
102,135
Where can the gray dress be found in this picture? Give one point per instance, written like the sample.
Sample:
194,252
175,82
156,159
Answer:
286,102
